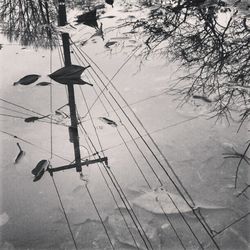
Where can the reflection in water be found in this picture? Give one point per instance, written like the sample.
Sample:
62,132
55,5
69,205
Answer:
31,22
28,22
184,41
209,38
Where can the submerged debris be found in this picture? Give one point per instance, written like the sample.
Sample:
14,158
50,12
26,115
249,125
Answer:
26,80
40,169
20,154
108,121
69,75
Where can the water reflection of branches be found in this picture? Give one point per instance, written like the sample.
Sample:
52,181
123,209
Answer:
28,22
212,42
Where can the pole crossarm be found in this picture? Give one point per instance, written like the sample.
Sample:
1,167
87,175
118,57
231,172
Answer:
84,163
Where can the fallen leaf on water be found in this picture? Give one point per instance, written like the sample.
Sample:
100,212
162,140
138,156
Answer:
69,75
43,83
108,121
108,44
40,169
203,98
26,80
108,17
34,118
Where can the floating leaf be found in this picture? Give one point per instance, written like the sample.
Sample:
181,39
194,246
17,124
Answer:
108,44
88,18
108,121
40,169
26,80
31,119
43,83
108,17
69,75
203,98
34,118
110,2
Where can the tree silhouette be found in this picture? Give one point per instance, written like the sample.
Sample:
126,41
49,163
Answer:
28,22
210,41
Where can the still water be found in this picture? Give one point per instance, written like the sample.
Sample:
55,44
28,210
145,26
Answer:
194,145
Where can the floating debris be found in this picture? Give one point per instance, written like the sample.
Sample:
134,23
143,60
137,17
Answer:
69,75
88,18
26,80
110,2
40,169
4,218
108,121
43,83
203,98
20,154
108,44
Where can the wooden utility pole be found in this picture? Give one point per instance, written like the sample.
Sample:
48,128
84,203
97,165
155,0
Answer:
73,130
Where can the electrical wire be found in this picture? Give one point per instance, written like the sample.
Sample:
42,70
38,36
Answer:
122,196
98,213
64,212
179,191
157,178
109,188
34,145
147,162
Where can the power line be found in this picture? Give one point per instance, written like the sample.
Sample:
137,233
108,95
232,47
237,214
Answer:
112,194
64,212
140,149
156,158
106,231
121,195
